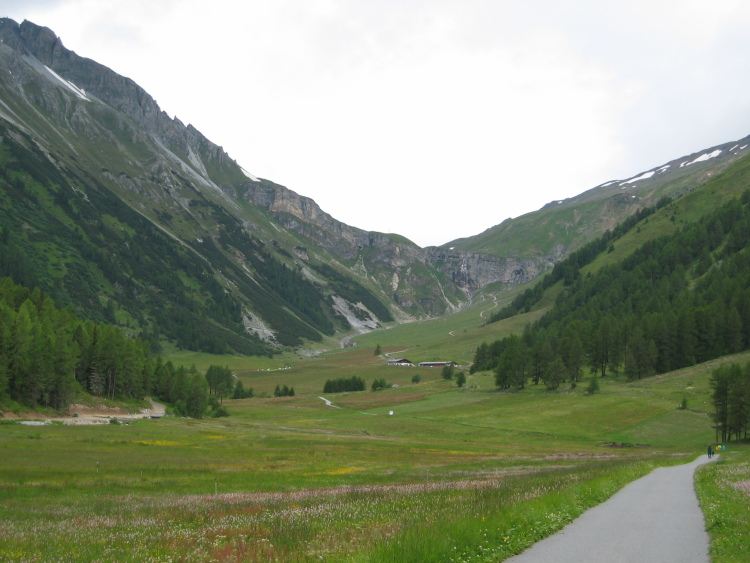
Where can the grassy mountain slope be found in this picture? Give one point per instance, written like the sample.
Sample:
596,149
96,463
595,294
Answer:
563,226
673,295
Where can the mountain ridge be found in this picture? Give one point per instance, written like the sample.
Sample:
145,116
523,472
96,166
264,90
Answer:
91,131
612,202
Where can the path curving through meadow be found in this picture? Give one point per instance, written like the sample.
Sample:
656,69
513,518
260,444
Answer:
656,519
494,304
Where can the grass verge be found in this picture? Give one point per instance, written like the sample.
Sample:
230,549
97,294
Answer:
723,489
506,520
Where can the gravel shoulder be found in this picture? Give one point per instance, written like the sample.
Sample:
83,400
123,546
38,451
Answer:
654,519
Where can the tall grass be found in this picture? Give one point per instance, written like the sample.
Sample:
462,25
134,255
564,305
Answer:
484,519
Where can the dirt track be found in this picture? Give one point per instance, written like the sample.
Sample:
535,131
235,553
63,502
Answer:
82,415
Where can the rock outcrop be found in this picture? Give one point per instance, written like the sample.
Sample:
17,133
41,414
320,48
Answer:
466,271
102,83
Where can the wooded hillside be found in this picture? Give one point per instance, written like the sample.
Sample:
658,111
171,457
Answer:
677,300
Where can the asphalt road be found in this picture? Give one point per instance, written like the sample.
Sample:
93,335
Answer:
654,519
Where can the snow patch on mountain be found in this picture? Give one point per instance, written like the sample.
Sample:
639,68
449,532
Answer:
702,158
81,93
246,173
197,162
644,176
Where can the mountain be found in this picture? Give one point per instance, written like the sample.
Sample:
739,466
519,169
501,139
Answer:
668,288
132,217
563,226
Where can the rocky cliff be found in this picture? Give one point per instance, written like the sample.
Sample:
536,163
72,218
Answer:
467,271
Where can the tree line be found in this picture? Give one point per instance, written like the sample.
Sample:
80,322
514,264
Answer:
283,391
678,300
48,355
730,394
353,383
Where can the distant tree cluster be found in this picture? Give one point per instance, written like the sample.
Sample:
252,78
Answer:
730,386
283,391
185,389
343,384
676,301
47,355
240,392
220,381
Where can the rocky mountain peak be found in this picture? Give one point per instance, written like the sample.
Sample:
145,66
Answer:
105,85
41,42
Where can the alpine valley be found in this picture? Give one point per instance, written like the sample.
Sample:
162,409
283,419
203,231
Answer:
528,373
133,218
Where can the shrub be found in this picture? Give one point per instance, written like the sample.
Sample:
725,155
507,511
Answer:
379,384
593,386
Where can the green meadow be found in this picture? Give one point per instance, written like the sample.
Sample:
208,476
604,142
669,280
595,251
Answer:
416,472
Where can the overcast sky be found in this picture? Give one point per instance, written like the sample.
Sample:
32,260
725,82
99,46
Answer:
434,119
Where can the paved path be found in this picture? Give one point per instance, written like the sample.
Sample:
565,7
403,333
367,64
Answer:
654,519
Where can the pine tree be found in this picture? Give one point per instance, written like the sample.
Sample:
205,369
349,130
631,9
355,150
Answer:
720,386
571,352
19,362
447,371
196,400
555,374
512,366
5,331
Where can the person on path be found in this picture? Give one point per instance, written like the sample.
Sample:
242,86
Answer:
710,451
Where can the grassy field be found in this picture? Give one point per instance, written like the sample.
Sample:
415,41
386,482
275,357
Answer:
416,472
